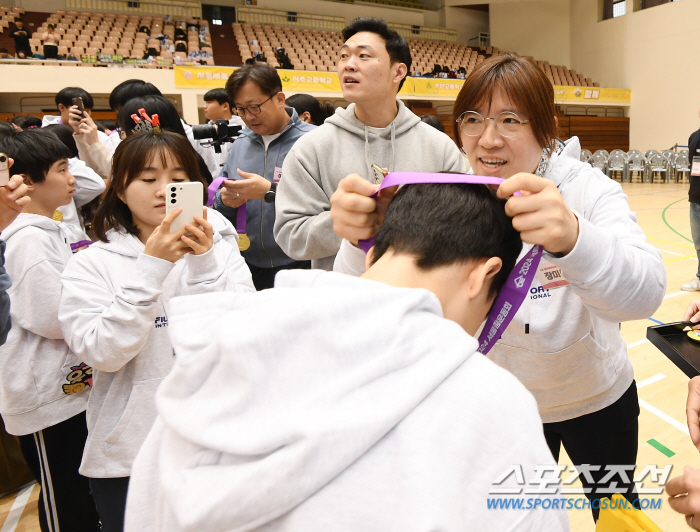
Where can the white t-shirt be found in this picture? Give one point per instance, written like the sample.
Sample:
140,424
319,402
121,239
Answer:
269,138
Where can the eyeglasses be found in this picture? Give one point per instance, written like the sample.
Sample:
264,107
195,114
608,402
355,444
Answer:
508,124
253,109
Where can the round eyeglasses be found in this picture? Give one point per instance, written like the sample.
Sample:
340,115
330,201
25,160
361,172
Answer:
508,124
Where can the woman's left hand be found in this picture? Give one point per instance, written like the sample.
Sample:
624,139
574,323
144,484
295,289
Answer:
684,495
540,214
202,238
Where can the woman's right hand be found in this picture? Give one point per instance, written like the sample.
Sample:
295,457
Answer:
165,245
356,215
692,313
74,118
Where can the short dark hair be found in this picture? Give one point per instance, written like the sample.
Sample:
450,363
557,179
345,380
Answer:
154,105
440,225
433,121
129,160
396,46
65,97
218,95
262,74
131,88
33,151
27,122
65,135
319,111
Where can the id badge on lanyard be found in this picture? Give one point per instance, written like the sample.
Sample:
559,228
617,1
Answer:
695,169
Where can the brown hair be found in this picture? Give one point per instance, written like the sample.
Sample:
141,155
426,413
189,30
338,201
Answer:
262,74
522,82
129,160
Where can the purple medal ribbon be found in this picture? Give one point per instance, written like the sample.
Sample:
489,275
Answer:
242,211
517,286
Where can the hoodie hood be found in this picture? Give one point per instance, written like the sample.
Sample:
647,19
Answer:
280,418
59,229
347,120
564,166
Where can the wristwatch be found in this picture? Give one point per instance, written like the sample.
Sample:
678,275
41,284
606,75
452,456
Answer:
269,196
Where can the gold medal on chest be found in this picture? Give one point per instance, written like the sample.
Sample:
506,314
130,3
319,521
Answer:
57,216
243,241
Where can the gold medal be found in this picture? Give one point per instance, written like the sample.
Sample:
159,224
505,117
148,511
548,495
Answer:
694,335
243,241
57,216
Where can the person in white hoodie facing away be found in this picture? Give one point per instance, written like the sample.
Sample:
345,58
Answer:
375,129
366,407
44,387
597,270
115,303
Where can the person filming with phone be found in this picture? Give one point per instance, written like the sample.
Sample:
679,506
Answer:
254,167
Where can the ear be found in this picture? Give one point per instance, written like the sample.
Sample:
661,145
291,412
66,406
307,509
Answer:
28,181
281,98
369,258
481,276
305,117
401,72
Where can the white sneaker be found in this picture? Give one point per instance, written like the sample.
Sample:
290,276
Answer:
692,286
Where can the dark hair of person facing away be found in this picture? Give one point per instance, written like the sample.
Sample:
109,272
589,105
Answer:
218,95
130,159
65,135
28,121
396,46
129,89
262,74
319,111
522,83
33,151
433,121
440,225
65,96
6,129
154,105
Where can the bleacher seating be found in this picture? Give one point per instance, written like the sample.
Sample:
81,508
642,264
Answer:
317,50
8,16
414,4
94,33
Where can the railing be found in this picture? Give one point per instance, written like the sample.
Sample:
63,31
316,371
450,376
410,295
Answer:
275,17
425,32
175,8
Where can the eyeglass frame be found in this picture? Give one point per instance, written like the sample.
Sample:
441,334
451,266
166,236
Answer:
258,105
495,124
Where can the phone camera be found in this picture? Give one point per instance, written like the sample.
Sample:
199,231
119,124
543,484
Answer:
173,195
3,159
173,201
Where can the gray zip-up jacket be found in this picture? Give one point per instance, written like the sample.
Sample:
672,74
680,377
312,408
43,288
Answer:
249,154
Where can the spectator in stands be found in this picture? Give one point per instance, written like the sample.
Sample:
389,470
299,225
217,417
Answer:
64,101
255,160
50,40
310,110
566,348
4,54
21,36
168,118
45,386
694,199
218,107
433,121
375,129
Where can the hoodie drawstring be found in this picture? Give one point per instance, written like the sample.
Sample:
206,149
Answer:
392,163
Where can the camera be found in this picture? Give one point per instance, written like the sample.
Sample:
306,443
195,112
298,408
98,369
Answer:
219,132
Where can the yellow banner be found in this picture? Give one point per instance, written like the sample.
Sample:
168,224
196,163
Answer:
591,95
437,86
306,81
201,77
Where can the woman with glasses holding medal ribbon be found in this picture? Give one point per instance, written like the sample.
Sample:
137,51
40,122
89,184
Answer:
593,268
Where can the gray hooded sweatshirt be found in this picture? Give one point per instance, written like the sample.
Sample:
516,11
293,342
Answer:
341,146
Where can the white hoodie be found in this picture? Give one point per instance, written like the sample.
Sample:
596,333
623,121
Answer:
564,344
35,362
359,408
114,314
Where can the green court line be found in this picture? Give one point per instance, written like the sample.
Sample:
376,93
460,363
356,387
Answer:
661,448
663,217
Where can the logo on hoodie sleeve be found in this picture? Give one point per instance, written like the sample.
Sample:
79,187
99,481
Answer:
79,377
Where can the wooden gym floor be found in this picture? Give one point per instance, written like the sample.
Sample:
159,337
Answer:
662,211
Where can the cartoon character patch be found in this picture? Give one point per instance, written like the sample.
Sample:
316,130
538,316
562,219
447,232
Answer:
79,377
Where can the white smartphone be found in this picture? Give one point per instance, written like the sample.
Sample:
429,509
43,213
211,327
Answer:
189,197
4,170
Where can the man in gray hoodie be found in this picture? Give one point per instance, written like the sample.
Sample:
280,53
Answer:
375,129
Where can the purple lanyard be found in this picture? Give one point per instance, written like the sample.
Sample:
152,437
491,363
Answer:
242,211
516,287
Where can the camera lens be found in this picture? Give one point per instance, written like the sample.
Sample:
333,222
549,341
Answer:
3,159
173,195
172,201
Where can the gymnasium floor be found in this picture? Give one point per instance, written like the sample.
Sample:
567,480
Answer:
662,211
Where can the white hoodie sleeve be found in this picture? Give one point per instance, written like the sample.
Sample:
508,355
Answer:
221,269
35,299
88,184
107,329
612,268
350,260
